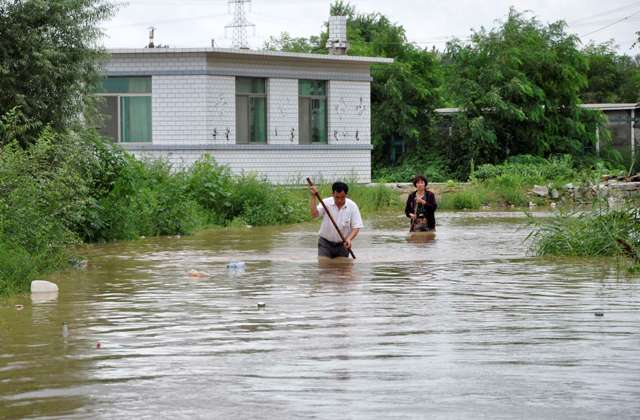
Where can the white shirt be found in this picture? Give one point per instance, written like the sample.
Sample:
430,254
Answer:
347,218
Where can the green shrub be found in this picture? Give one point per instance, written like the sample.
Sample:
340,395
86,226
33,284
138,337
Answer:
434,168
462,200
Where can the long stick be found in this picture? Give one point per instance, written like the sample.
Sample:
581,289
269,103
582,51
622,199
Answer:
331,218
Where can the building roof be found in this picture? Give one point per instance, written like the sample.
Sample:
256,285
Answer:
611,107
253,53
447,110
601,107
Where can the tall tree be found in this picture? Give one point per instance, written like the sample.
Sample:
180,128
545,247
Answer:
612,77
519,87
49,59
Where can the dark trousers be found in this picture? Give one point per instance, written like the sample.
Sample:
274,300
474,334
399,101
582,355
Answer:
331,249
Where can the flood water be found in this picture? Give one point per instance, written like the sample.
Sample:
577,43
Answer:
463,326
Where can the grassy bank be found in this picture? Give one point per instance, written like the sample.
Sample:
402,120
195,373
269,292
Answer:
509,184
71,188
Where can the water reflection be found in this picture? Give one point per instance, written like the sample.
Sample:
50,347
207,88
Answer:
459,326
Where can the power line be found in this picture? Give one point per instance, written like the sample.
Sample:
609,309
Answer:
605,12
611,24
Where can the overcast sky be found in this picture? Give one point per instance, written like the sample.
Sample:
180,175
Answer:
193,23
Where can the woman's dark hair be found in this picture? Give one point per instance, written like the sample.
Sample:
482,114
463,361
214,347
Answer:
418,178
340,187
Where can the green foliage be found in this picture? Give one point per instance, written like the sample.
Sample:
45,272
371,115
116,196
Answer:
42,197
434,168
48,60
603,232
531,170
471,199
211,185
259,203
285,42
519,87
611,77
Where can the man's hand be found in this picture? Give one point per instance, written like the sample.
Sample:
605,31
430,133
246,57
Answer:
347,243
419,200
313,189
413,216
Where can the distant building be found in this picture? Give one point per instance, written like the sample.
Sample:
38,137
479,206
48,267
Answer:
622,123
282,115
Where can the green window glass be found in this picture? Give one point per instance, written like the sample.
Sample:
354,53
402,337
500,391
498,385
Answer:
312,88
312,111
126,85
249,85
136,118
251,110
126,109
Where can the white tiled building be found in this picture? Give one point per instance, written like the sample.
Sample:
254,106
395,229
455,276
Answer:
285,116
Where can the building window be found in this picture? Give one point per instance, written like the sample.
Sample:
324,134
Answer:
126,108
251,110
312,111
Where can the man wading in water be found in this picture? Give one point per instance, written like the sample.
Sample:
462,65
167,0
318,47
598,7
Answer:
346,215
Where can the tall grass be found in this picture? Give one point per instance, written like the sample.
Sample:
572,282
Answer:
605,232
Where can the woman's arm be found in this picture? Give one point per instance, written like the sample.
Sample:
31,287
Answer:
408,208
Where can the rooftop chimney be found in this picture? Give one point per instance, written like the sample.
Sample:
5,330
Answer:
337,42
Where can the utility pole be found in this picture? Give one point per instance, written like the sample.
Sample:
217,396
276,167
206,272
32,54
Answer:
239,23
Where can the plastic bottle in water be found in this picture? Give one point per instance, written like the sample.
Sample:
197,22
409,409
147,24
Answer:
236,265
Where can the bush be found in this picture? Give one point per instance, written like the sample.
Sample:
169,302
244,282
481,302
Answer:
434,168
471,199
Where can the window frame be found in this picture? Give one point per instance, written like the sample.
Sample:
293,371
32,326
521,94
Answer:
249,96
311,98
119,96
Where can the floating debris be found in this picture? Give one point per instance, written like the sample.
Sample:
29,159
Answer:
599,314
19,307
234,265
98,345
198,274
65,330
262,305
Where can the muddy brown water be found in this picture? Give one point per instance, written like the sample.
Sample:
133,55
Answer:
464,326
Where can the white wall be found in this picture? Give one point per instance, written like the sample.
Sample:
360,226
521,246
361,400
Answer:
349,112
221,109
281,166
179,114
282,111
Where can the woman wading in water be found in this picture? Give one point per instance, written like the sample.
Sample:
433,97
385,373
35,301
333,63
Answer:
421,207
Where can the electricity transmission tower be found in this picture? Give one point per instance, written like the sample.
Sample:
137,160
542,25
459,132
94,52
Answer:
239,23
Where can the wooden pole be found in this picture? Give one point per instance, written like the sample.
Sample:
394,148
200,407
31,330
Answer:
331,218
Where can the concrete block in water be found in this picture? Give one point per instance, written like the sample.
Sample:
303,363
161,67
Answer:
43,286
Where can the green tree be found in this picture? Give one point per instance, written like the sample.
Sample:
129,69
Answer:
285,42
518,86
611,77
49,60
